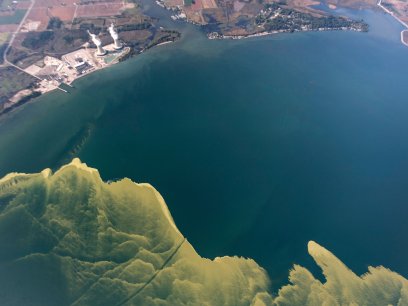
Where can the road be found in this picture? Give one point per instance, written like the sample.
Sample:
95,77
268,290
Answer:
13,36
10,43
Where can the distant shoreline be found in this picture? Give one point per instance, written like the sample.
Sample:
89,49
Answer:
398,19
215,35
36,93
12,105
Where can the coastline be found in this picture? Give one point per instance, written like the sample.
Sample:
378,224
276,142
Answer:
398,19
12,105
68,69
115,61
33,93
28,94
215,35
128,53
292,60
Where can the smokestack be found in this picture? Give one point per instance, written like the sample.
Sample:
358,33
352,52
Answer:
116,43
100,50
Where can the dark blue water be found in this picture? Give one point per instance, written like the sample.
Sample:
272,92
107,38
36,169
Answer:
258,146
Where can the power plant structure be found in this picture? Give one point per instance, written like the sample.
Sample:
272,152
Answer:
100,51
117,45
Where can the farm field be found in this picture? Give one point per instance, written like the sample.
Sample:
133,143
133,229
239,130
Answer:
3,37
400,8
13,18
54,28
68,10
100,9
8,28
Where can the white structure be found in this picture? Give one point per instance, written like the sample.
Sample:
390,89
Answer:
100,51
117,44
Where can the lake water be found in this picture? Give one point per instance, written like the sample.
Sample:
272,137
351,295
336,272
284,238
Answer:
257,146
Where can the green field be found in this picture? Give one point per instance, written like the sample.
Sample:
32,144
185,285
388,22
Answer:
188,2
3,38
12,81
13,19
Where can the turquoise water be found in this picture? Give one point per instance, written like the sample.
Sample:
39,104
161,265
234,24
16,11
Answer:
257,145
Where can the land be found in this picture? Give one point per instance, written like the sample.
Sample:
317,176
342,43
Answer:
277,18
245,18
12,79
45,44
398,10
353,4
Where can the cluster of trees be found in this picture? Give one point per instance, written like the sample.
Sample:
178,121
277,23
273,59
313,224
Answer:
90,26
331,22
292,20
35,40
134,26
73,35
54,23
2,50
279,23
125,27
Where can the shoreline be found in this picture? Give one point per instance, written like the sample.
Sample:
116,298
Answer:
122,57
43,85
34,93
396,18
114,62
215,35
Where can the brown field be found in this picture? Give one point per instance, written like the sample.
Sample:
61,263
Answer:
100,9
54,3
209,4
198,5
399,7
300,4
354,4
23,5
43,10
174,2
39,14
8,28
194,16
66,10
63,13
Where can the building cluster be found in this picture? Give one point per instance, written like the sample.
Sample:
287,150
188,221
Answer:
53,71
